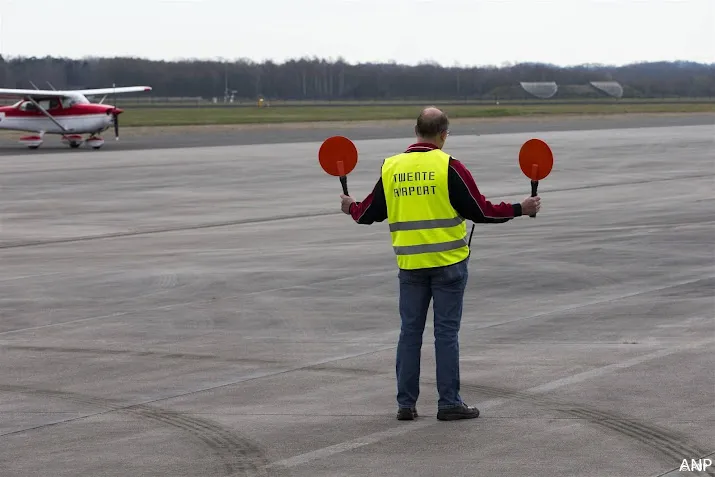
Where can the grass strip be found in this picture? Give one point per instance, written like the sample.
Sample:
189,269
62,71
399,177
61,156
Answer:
182,116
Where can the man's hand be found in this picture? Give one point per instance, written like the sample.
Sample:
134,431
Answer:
346,200
531,205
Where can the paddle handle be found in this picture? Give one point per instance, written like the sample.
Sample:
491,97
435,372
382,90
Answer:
344,183
534,184
534,187
343,177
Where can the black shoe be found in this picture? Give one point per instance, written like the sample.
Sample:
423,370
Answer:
406,414
459,412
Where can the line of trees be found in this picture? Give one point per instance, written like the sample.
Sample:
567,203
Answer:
319,79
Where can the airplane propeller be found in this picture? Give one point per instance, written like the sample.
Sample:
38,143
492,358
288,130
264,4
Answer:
116,126
116,114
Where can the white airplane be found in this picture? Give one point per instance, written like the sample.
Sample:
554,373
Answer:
68,113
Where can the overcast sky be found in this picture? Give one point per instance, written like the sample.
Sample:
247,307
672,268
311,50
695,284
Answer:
466,32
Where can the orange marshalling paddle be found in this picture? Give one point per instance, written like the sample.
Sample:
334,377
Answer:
338,156
536,161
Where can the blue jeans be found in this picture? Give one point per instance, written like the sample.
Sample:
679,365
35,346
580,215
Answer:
417,287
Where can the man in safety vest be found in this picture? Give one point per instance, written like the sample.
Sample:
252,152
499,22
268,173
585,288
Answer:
426,195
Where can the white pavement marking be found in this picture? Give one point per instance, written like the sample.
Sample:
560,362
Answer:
25,277
490,404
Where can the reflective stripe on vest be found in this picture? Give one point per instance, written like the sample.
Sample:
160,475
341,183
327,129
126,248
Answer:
433,247
426,224
426,230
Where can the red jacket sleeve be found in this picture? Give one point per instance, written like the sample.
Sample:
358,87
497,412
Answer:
470,203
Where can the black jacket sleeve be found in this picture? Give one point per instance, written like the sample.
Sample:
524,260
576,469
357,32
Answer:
372,209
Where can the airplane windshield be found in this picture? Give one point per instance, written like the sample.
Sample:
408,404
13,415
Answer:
74,99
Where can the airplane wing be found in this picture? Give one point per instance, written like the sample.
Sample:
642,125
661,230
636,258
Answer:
40,94
118,90
36,94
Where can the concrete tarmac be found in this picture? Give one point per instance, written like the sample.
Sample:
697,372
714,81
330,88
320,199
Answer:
210,312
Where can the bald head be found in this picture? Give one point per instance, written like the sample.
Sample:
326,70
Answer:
431,124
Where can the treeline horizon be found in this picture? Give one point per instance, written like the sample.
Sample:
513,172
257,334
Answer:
320,79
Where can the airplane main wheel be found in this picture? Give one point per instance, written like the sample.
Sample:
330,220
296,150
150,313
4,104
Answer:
32,142
75,145
95,142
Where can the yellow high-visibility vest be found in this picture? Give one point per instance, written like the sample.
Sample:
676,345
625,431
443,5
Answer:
426,231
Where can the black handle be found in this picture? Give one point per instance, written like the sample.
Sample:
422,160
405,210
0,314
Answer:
344,182
534,187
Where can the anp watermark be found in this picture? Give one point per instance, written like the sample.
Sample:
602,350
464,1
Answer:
695,465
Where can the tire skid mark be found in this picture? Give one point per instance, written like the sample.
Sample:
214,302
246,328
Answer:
239,456
236,454
667,443
661,440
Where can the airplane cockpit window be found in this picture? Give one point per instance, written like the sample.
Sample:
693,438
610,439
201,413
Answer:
47,104
53,103
28,106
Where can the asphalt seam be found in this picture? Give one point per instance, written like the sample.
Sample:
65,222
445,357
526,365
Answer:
259,220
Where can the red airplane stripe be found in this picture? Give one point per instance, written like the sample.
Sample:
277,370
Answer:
76,110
